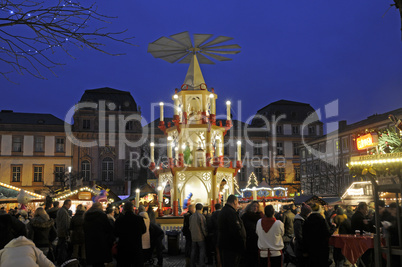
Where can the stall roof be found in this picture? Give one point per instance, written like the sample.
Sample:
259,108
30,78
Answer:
10,192
305,198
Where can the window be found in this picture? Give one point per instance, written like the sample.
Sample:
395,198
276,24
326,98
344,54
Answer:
39,143
129,125
303,153
353,144
279,129
86,124
107,170
296,149
258,173
297,174
38,173
257,148
295,129
281,174
16,173
86,170
321,147
311,130
58,173
17,143
60,144
128,171
345,144
279,148
337,145
330,148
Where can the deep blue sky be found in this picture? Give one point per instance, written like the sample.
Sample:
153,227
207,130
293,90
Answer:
308,51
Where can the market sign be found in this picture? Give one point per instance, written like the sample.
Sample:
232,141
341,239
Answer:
355,192
367,141
84,195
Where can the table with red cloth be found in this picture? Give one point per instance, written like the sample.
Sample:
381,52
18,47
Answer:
352,246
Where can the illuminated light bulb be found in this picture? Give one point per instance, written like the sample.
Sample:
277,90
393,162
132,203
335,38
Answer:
175,96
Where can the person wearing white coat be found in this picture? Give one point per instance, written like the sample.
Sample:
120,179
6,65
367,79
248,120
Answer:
146,239
22,252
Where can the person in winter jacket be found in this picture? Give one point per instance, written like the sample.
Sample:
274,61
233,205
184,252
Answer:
77,234
231,233
288,217
41,230
198,229
298,233
156,234
11,228
129,228
22,252
250,219
187,233
98,236
146,240
316,233
270,232
63,231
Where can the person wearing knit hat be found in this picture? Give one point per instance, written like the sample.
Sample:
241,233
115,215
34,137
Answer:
298,227
316,234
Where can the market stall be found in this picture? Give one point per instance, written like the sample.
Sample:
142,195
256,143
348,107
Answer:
8,197
86,196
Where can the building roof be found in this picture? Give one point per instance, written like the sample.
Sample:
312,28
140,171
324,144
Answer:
122,99
293,111
370,121
10,117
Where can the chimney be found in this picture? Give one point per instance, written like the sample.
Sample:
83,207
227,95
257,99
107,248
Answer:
342,125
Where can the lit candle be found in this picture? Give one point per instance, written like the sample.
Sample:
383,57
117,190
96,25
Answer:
176,153
228,110
137,198
212,99
238,150
161,110
169,149
152,145
176,104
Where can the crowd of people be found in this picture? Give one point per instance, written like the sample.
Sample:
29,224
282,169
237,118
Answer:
228,237
93,237
248,237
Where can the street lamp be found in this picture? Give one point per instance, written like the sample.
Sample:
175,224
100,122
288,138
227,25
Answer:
69,176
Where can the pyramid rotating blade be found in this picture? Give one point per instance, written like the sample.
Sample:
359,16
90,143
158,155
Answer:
183,38
172,58
217,57
232,46
186,59
201,38
159,54
217,40
168,42
203,59
222,52
156,47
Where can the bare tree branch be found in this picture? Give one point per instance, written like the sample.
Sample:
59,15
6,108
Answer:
31,31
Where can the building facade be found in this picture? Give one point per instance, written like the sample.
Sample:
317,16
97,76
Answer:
107,129
34,151
324,159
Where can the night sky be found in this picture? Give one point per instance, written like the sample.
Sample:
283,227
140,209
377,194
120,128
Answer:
308,51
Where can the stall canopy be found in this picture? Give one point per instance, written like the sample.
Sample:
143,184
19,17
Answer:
145,189
9,193
306,198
